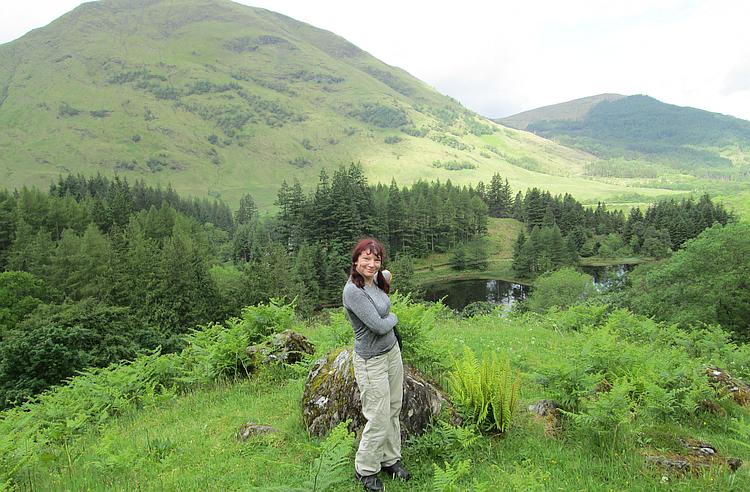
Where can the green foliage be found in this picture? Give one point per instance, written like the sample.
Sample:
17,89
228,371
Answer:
218,351
381,115
561,288
486,393
611,415
20,294
416,323
453,165
58,416
56,341
706,282
620,374
447,479
443,441
478,308
332,468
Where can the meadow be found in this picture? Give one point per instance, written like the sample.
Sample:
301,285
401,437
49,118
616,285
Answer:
179,436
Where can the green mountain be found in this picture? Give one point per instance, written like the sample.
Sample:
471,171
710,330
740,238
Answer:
644,137
222,99
574,110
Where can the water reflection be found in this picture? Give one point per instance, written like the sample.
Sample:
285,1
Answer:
460,293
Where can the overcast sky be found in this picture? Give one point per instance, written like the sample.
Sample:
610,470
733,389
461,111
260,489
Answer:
499,58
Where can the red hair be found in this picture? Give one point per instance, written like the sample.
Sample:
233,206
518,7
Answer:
372,246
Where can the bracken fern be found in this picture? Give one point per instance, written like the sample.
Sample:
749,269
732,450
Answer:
486,394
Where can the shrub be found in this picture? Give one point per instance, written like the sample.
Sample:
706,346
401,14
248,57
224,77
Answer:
392,139
453,165
478,308
623,373
485,394
331,469
561,288
218,351
381,115
65,110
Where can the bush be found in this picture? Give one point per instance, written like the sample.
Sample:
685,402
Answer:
705,282
621,374
56,341
560,289
478,308
218,351
381,115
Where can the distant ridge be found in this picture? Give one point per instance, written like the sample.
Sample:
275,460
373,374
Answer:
641,137
576,109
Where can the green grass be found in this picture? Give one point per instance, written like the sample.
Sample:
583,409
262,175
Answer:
501,234
189,442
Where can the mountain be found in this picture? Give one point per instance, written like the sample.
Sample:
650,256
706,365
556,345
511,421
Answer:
574,110
222,99
641,135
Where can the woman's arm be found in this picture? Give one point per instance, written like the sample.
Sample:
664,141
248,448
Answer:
357,301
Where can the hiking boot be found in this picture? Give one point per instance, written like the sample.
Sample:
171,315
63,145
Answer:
371,483
396,470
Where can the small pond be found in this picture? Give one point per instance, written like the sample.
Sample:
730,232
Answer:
460,293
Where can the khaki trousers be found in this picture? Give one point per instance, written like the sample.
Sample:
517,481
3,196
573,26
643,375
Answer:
381,387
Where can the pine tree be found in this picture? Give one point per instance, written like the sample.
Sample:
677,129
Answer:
247,210
396,219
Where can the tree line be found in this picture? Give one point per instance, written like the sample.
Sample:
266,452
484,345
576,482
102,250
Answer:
96,269
560,230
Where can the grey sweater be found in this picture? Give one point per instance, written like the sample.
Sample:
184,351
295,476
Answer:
371,319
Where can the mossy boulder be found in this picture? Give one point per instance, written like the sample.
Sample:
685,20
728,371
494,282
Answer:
331,396
287,347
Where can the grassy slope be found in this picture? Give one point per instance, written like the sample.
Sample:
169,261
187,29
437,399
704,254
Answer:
74,59
687,148
189,443
501,234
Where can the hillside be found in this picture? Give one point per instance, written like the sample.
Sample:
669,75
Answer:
574,110
641,137
221,99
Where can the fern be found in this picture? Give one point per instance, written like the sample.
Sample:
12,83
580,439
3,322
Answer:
486,394
332,468
446,480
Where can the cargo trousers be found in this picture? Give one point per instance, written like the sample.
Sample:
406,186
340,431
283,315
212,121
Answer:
381,387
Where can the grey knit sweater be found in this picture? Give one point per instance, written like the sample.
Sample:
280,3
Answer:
371,319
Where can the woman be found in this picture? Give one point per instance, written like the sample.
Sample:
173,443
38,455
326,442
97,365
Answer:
378,368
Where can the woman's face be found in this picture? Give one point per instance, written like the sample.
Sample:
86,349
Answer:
367,265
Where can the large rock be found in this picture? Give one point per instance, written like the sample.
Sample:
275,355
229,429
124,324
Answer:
287,347
331,396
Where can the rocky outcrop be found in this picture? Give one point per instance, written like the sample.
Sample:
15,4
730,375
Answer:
737,388
547,412
331,396
287,347
697,457
252,429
